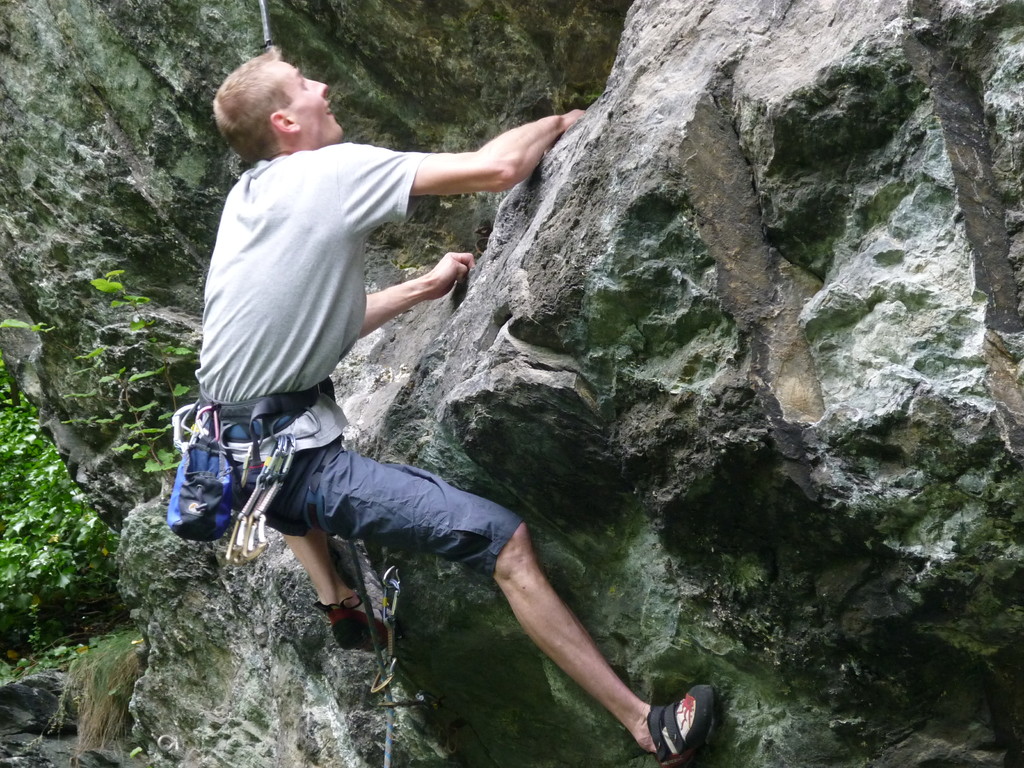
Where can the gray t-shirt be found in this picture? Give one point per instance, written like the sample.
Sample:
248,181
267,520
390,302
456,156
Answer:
285,295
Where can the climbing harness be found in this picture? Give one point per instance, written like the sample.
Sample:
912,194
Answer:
210,485
213,487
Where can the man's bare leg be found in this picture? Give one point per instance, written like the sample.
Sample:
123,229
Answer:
558,633
313,553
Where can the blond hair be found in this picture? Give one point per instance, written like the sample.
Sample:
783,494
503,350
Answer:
244,103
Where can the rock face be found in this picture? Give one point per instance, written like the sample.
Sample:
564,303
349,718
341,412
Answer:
38,727
745,353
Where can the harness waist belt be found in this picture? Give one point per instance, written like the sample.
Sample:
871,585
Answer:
282,408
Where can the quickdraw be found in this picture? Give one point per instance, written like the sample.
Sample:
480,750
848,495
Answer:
389,609
384,649
249,538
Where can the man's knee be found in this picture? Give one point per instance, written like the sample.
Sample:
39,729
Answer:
516,556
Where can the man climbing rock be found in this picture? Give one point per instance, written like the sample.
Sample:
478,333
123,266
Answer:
285,301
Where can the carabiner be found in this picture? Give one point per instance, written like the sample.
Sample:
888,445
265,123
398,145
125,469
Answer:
392,588
180,433
378,684
246,466
257,540
239,535
280,460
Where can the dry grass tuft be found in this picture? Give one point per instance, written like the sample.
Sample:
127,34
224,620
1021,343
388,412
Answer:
101,681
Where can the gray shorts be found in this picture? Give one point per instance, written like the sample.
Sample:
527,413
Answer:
399,506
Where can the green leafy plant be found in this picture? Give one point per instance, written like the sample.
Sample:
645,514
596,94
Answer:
57,570
137,397
38,327
57,567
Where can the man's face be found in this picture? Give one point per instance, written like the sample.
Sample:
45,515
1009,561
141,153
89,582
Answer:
308,109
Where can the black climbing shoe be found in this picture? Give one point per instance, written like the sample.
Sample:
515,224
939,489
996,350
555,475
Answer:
680,729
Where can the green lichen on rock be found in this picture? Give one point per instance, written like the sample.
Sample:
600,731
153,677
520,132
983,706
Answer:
744,353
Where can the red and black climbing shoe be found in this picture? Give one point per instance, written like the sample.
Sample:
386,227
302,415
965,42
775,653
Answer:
680,729
350,625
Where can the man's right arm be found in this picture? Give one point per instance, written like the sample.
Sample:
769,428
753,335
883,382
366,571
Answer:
499,165
396,299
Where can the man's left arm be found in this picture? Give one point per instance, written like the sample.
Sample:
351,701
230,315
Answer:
393,301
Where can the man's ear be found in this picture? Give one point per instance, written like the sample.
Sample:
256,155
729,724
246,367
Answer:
282,122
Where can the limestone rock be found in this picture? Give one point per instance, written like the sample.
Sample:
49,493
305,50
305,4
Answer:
745,352
38,727
32,705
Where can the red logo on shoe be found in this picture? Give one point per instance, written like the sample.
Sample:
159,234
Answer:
685,713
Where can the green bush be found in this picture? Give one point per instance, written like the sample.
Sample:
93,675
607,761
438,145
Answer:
56,556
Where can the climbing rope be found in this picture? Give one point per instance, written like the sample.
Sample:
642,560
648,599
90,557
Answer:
265,17
385,670
252,540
